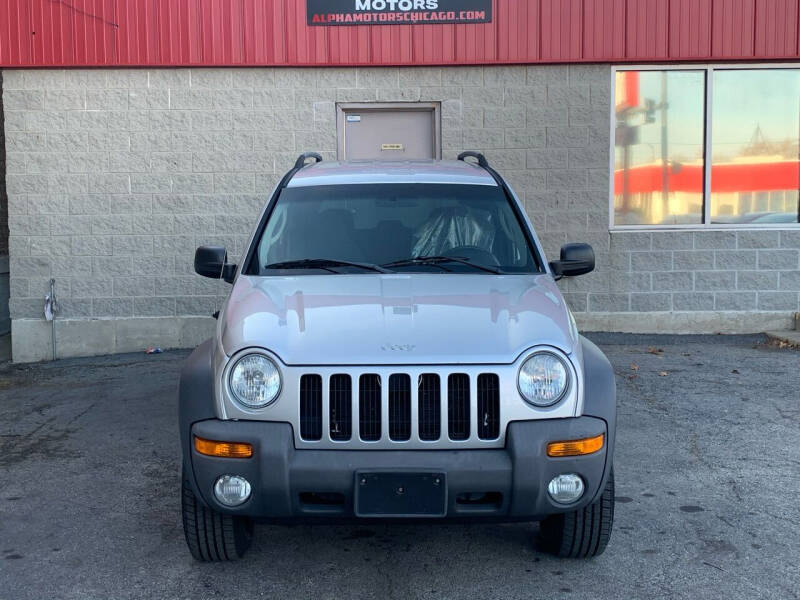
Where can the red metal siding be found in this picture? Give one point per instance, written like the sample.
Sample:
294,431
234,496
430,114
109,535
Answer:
274,32
776,27
605,29
733,30
561,30
648,28
690,29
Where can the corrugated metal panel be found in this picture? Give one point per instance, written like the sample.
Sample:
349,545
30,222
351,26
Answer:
561,30
648,29
690,29
604,33
776,28
274,32
16,41
733,28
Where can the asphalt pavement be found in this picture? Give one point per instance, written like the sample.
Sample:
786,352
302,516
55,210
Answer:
707,469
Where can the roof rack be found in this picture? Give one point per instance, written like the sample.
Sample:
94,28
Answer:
299,164
301,160
483,163
472,154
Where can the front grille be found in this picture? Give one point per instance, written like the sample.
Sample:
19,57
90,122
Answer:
430,407
369,407
458,406
341,407
311,407
399,407
488,406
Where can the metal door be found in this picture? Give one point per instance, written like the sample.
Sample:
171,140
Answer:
388,131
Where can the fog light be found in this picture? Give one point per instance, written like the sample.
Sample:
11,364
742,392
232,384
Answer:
566,488
232,490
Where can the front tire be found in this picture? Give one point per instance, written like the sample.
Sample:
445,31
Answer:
210,535
583,533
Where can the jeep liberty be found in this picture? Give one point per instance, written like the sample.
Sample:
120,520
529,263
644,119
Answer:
394,346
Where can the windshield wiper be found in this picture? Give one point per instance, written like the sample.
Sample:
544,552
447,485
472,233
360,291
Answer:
325,264
437,260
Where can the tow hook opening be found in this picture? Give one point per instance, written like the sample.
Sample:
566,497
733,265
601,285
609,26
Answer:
322,498
480,499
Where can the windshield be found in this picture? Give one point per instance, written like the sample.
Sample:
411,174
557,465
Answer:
406,228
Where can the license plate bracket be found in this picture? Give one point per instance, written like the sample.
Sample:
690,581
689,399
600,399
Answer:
398,494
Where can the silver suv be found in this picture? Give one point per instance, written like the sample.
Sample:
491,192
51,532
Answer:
395,347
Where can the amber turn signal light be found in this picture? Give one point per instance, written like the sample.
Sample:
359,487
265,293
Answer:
576,447
223,449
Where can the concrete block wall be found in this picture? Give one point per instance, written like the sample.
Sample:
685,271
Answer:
5,320
3,197
115,176
694,281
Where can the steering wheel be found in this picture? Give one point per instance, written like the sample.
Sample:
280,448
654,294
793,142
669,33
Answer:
475,254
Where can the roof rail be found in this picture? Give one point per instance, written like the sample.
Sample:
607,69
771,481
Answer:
483,163
298,164
301,160
472,154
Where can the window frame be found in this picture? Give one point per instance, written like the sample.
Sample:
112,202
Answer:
708,70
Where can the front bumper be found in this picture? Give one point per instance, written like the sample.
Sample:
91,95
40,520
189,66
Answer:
508,483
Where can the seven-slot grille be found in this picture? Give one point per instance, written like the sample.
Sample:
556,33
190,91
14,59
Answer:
466,401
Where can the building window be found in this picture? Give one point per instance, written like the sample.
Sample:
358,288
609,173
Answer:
680,160
755,121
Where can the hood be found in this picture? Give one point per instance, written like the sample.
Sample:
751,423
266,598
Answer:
396,318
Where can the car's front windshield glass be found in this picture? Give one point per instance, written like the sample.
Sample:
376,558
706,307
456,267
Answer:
442,228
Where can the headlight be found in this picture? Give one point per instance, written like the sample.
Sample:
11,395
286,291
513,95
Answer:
255,381
543,379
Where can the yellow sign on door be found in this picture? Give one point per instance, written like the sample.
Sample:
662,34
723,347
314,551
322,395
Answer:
391,147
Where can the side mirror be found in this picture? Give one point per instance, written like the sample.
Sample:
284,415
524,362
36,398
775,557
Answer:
211,261
576,259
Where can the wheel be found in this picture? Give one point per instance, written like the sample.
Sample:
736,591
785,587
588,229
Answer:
210,535
582,533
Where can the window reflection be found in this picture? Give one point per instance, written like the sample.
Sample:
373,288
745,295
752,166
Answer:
659,147
754,146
